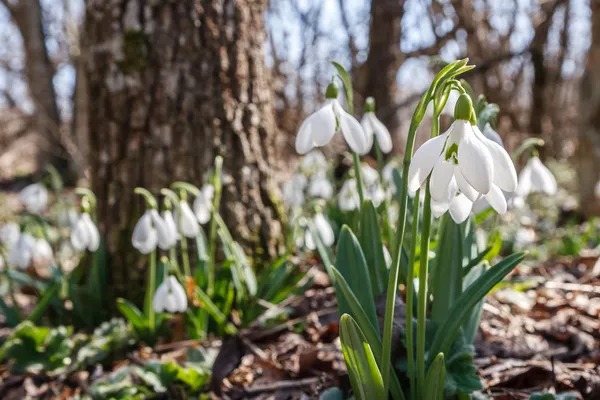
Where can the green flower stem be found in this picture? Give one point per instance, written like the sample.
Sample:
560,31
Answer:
173,261
217,184
151,288
423,271
410,295
358,177
185,256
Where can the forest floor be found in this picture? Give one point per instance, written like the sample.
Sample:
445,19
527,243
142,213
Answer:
541,332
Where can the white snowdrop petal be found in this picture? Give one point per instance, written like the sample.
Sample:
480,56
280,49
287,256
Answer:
491,134
439,183
524,187
497,200
93,233
464,186
163,234
309,241
475,162
460,208
384,139
505,174
423,161
167,216
144,236
188,224
368,130
353,133
438,209
179,295
325,230
317,130
541,177
9,233
80,235
34,197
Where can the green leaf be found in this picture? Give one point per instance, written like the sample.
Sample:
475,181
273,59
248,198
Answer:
132,314
42,305
461,309
476,261
372,245
448,271
350,262
434,382
246,269
347,82
10,314
472,323
364,374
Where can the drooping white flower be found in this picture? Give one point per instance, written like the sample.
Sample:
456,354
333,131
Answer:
313,162
188,222
20,254
348,197
167,216
203,203
170,296
535,177
323,229
85,234
369,175
320,187
293,191
9,233
150,231
67,217
319,128
42,252
375,129
34,197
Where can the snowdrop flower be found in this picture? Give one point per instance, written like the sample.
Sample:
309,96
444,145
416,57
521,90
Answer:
535,177
203,203
21,253
319,128
85,234
188,222
320,187
374,128
170,297
42,251
150,231
464,165
34,197
348,198
167,216
313,162
323,229
67,217
369,175
9,233
293,191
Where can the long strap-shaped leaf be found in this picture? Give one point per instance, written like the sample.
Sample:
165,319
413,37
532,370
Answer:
461,309
369,330
372,246
362,368
434,383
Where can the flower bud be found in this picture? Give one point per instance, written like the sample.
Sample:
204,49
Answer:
332,91
464,108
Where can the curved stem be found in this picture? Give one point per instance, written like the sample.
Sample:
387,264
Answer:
185,256
151,288
212,238
358,177
410,296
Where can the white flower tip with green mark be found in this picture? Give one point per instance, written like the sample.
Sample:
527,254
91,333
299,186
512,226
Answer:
170,296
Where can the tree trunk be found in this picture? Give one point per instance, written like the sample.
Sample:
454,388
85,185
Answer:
589,132
27,15
172,84
384,59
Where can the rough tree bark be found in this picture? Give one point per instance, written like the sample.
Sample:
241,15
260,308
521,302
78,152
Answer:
27,15
172,84
589,132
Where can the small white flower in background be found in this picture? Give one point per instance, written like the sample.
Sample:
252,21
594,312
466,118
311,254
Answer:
20,254
188,222
85,234
524,237
34,197
203,203
167,216
42,252
150,231
323,229
293,191
170,297
491,134
369,175
320,187
319,128
464,165
313,162
67,217
375,129
372,189
9,233
348,197
535,177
